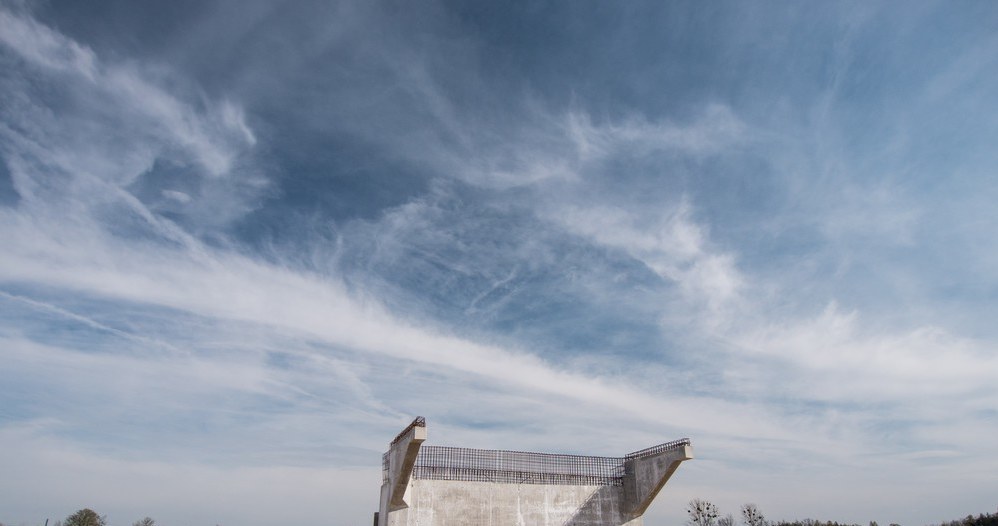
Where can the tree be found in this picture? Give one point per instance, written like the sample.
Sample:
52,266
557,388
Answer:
145,522
702,513
751,516
727,520
85,517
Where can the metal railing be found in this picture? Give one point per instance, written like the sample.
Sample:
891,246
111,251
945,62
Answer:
417,422
520,467
661,448
515,467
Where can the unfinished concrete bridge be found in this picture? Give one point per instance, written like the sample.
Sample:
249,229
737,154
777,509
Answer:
451,486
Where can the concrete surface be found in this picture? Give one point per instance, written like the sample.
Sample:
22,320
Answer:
410,501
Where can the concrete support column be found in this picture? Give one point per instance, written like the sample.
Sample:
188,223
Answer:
645,476
401,459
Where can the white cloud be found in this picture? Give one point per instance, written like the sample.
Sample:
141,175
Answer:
118,122
219,285
819,397
40,45
838,361
716,129
177,196
670,243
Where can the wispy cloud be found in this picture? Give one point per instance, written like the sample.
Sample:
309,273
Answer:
40,45
264,283
717,129
117,124
673,246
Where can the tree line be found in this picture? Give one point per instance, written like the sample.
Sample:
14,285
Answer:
703,513
89,517
699,511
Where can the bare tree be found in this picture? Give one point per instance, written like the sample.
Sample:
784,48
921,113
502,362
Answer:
702,513
86,517
145,522
751,516
727,520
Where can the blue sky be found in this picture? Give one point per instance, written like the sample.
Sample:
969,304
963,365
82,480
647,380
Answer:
244,243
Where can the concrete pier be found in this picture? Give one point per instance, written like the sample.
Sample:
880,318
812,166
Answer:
446,486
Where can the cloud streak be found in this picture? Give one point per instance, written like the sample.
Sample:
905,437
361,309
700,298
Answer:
256,288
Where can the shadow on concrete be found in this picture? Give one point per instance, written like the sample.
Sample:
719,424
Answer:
600,509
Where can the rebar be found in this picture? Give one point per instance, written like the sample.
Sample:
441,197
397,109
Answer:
520,467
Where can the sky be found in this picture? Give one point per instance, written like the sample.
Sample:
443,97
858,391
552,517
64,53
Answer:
245,242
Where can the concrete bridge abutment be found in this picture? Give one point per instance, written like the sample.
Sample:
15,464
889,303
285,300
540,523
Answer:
446,486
